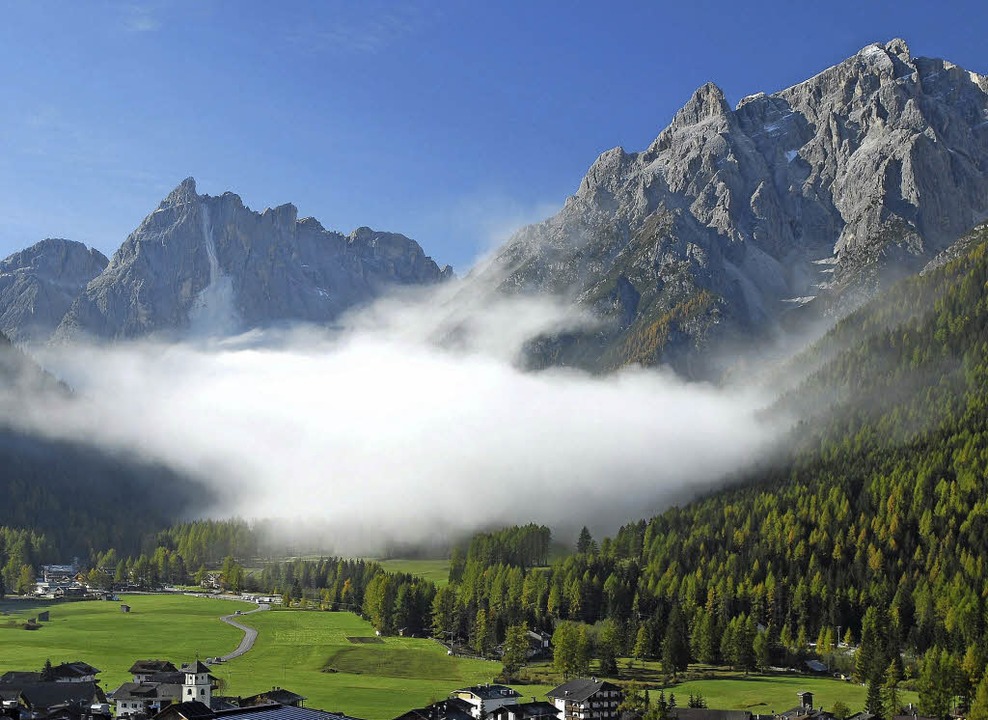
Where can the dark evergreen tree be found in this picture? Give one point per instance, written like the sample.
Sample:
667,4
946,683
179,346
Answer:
675,646
979,705
873,702
584,543
890,689
515,649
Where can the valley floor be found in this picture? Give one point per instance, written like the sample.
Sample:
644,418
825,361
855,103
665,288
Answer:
334,659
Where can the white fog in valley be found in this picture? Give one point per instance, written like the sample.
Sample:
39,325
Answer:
377,432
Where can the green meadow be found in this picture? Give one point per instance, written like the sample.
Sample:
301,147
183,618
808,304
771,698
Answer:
334,658
725,689
312,653
306,651
767,694
770,693
435,570
171,627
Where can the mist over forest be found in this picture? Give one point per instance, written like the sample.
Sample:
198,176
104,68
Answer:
398,427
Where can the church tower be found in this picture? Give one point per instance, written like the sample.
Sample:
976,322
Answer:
197,684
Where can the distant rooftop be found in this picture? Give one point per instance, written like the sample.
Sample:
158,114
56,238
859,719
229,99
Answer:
580,689
489,692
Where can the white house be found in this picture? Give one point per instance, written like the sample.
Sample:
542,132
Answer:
485,699
587,699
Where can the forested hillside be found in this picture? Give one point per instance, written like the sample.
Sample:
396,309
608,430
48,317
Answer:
83,499
877,528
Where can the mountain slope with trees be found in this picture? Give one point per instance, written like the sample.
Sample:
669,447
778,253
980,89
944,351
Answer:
80,499
875,530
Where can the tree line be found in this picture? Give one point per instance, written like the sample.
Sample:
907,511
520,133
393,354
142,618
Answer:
21,551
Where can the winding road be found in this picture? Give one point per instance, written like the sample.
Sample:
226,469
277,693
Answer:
250,634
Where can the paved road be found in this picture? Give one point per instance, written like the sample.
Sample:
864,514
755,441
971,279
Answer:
250,634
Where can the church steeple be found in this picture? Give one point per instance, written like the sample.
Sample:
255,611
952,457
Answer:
197,685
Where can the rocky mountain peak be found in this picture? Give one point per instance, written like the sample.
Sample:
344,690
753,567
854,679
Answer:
604,170
732,221
39,284
890,60
707,101
184,193
286,212
899,48
210,265
56,259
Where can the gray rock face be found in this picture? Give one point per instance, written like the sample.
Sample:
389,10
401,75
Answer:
39,284
957,249
209,265
733,218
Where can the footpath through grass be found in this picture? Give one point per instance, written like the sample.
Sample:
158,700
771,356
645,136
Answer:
309,652
171,627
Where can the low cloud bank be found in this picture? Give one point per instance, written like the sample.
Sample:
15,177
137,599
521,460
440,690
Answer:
409,422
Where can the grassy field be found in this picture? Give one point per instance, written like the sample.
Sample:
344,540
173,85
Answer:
435,570
294,649
725,689
309,653
172,627
767,694
335,659
776,692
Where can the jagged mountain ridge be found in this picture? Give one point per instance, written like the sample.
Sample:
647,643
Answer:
210,264
731,218
206,265
39,284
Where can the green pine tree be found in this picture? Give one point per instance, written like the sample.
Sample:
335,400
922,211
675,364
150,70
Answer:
979,706
890,689
676,646
873,702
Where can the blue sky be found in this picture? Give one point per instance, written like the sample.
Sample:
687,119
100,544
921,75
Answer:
451,122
